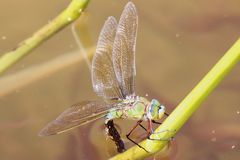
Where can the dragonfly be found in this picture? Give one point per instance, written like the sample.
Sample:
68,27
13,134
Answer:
113,74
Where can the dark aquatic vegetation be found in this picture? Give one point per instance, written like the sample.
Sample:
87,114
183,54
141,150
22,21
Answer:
113,79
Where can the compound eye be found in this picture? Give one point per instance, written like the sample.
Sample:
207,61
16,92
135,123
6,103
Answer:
161,107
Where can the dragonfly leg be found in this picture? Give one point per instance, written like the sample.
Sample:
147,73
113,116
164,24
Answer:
142,127
166,114
138,122
128,135
156,122
161,139
150,131
152,122
150,127
113,133
167,130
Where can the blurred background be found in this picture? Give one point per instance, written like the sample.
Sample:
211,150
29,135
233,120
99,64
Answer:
177,43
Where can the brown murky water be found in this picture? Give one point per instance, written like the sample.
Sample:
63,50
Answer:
177,44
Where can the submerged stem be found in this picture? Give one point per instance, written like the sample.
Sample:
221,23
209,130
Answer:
187,107
71,13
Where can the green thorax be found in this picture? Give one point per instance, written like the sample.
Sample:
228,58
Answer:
134,109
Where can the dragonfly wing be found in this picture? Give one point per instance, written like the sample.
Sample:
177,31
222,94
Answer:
104,80
124,49
75,116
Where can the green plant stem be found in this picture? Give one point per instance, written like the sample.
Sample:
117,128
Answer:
71,13
186,108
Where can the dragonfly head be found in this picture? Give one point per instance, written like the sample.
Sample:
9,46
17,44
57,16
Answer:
155,110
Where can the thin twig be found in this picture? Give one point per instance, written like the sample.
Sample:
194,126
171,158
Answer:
71,13
13,82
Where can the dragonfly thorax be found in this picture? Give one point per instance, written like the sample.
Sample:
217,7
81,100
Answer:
137,108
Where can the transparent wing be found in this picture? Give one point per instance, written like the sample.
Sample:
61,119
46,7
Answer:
124,49
75,116
104,79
